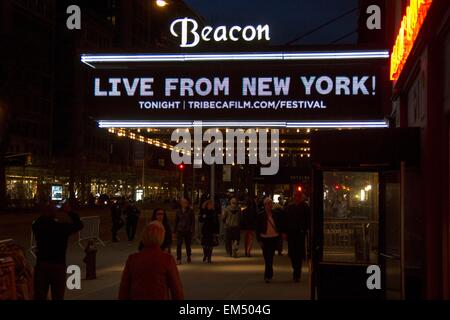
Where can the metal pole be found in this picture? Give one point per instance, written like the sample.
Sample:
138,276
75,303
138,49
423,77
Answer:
181,185
143,176
213,180
193,185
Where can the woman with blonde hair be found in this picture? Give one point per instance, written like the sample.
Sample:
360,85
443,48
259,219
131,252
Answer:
151,274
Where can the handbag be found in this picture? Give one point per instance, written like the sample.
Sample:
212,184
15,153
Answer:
243,219
215,240
120,223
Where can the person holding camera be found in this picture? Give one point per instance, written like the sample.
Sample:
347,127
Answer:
52,236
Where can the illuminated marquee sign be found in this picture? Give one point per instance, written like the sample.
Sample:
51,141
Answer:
409,29
228,90
187,30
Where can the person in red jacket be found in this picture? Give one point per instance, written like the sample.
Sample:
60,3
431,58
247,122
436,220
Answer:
151,274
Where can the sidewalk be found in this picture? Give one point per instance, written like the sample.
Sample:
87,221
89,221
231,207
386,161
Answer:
226,279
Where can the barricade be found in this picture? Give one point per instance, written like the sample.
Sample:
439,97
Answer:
90,231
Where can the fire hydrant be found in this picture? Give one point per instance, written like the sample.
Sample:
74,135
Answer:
90,260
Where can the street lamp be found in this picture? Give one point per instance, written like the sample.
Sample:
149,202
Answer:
161,3
181,170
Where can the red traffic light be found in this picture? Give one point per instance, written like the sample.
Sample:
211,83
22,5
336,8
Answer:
181,166
299,189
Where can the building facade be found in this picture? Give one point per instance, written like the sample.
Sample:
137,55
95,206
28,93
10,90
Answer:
421,98
51,140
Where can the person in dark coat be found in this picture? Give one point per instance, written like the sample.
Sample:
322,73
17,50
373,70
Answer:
159,214
249,223
131,213
278,212
268,232
210,229
184,228
296,225
116,219
51,240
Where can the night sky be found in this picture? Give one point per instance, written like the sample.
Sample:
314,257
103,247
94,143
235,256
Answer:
287,19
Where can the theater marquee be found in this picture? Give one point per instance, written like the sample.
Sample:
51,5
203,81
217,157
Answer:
312,90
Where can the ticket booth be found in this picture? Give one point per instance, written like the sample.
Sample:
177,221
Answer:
358,210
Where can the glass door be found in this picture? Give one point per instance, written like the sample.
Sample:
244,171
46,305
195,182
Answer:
350,217
345,233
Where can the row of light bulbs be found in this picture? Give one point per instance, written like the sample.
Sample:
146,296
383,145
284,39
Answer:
140,138
129,186
24,181
124,133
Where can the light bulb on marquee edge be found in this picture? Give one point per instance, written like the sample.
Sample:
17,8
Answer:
161,3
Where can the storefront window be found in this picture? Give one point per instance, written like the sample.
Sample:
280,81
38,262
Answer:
350,203
18,188
21,191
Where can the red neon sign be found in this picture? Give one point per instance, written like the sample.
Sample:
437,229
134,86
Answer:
409,29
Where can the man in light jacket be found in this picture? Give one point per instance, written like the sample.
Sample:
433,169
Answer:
232,220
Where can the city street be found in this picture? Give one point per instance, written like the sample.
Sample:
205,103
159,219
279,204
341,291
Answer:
227,278
319,126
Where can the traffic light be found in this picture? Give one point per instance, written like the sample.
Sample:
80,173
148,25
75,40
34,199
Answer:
299,189
181,167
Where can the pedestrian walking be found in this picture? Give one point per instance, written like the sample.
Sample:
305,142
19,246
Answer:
232,220
159,214
210,229
297,219
184,228
116,219
151,274
248,224
278,212
131,213
52,236
267,233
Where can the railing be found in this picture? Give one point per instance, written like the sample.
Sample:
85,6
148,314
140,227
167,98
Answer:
355,235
